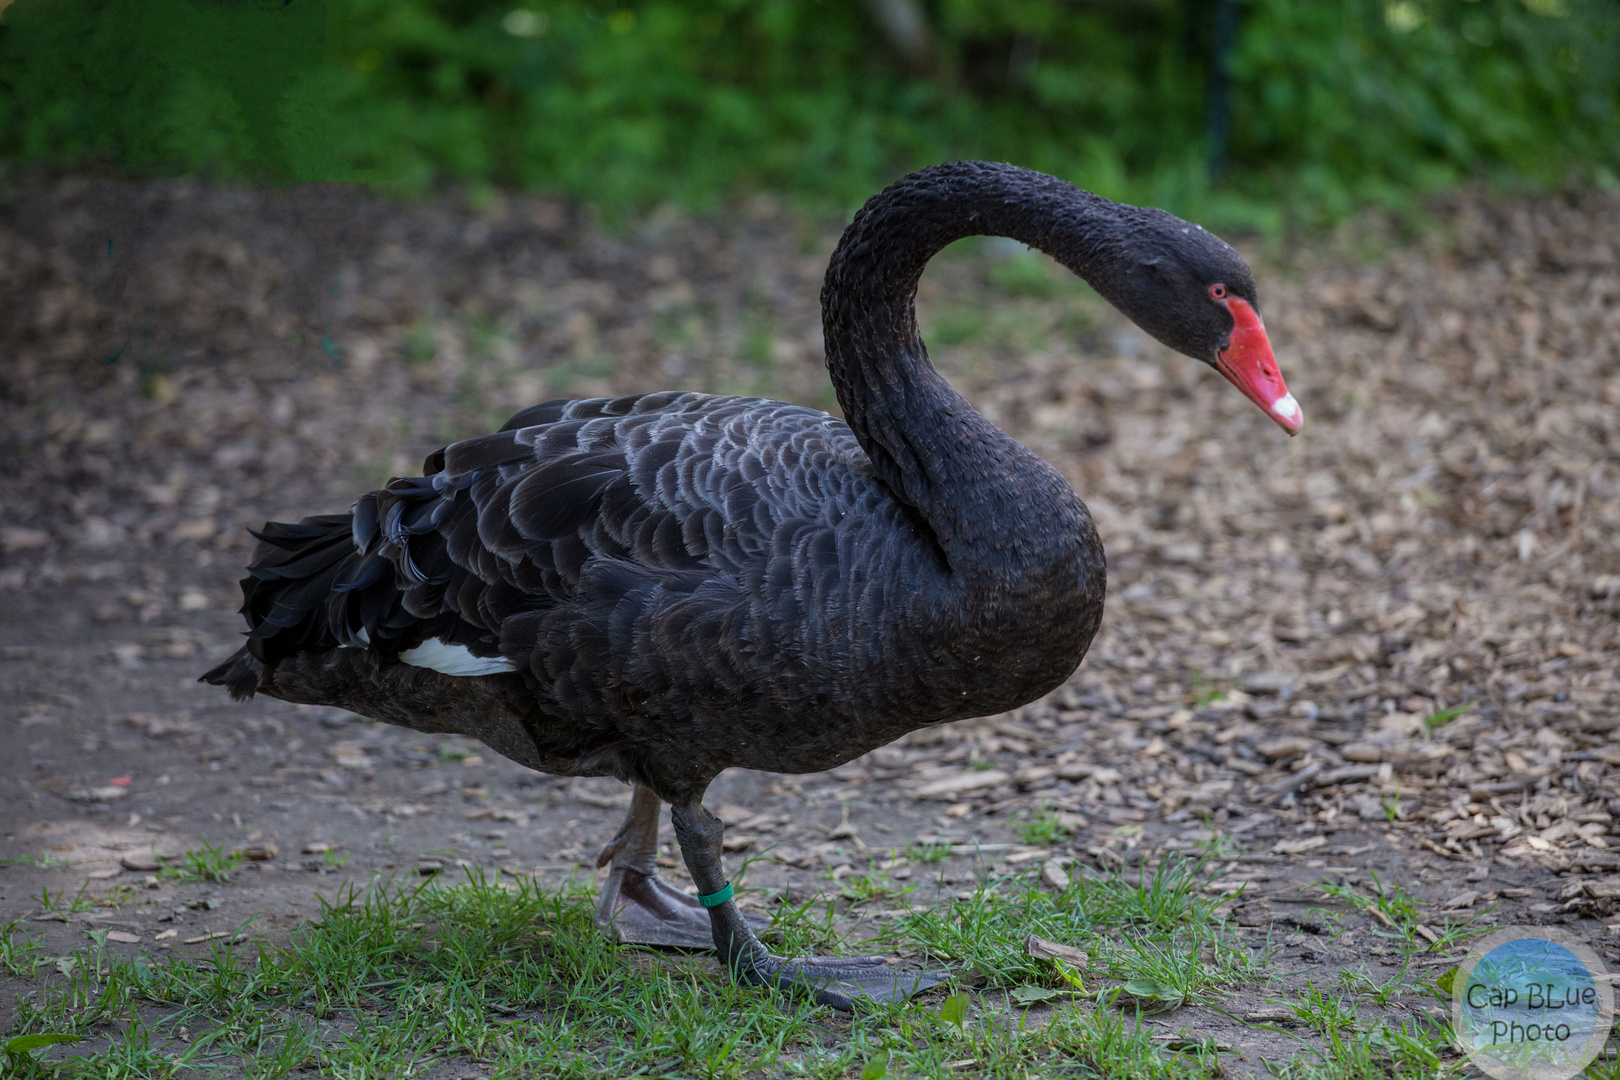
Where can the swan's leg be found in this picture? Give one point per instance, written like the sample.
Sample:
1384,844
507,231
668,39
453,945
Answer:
841,982
637,906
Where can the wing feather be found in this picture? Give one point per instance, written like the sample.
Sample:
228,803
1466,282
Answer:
620,552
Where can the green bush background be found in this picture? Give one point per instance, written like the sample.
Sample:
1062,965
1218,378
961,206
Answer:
1334,102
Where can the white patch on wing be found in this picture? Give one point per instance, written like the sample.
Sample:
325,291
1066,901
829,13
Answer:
436,655
1286,407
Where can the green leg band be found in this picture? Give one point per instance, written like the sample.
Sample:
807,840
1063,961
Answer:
717,898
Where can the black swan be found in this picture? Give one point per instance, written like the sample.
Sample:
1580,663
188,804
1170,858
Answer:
663,586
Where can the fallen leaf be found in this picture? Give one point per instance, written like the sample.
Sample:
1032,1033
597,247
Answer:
1153,990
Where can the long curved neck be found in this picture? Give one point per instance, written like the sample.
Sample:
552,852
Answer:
977,489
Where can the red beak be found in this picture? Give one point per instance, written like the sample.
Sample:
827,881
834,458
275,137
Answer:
1247,361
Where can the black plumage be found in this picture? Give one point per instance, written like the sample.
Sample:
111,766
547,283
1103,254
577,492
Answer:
683,583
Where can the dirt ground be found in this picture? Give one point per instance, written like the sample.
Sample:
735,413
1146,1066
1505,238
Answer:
178,361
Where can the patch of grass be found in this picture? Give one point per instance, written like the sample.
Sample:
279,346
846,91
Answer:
1444,717
1387,1052
1187,967
510,979
1041,827
1391,905
64,906
21,954
1205,691
800,928
874,884
928,853
398,979
1398,911
44,862
119,895
1106,1043
1325,1012
1383,990
207,863
1220,847
1161,928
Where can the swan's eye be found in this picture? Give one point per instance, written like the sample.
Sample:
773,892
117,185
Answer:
1217,292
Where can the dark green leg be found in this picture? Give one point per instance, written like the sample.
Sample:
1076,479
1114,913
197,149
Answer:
842,982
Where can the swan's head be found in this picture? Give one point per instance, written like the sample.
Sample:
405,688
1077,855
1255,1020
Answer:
1189,289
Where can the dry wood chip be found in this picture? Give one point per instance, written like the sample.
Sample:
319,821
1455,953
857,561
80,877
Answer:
123,937
1299,847
1287,746
1055,876
1041,949
206,937
1430,845
147,860
1345,774
166,935
1026,856
1269,1014
961,782
1381,917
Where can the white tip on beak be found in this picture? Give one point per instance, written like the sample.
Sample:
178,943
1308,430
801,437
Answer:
1286,407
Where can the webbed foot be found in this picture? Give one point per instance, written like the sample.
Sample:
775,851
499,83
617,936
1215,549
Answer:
638,908
843,982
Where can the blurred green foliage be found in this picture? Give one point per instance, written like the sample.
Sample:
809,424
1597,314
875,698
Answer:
1334,102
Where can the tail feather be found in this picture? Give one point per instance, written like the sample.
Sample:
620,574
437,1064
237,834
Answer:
380,577
307,585
239,674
